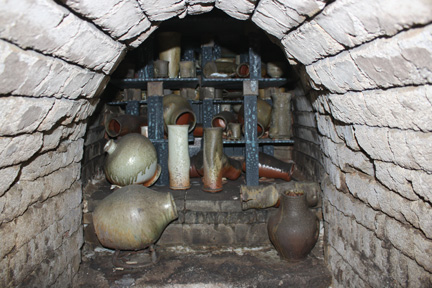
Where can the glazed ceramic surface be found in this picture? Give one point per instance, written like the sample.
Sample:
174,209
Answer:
178,157
131,160
178,111
212,162
133,217
169,44
281,120
294,228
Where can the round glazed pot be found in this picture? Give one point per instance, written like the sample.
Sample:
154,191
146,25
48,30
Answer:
124,124
169,44
223,118
133,217
178,111
178,157
281,119
293,229
131,160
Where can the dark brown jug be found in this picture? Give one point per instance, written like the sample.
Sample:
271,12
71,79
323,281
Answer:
293,229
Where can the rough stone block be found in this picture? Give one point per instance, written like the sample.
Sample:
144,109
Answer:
122,20
172,236
366,107
306,119
195,7
301,102
251,235
22,115
157,10
140,39
353,22
11,148
27,73
9,174
409,183
278,17
59,26
327,128
208,235
406,148
241,9
297,44
306,133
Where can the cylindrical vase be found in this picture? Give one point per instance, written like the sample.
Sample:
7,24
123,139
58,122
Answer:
281,119
178,157
213,159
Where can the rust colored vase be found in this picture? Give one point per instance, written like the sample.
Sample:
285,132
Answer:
124,124
294,228
271,167
178,111
223,118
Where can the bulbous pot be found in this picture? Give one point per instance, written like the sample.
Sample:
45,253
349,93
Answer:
133,217
178,157
294,228
178,111
131,160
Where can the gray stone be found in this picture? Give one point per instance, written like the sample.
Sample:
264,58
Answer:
353,22
157,10
11,148
307,133
366,107
240,9
9,174
346,133
327,128
123,20
27,73
22,115
301,102
298,46
141,38
406,148
59,26
306,119
196,7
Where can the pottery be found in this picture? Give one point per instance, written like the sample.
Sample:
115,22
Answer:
178,111
131,160
271,167
264,110
160,68
178,157
187,69
234,131
133,217
231,168
293,229
223,118
124,124
242,70
281,118
219,69
169,44
212,154
275,69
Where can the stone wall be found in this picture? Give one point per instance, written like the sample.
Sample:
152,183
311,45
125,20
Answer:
363,130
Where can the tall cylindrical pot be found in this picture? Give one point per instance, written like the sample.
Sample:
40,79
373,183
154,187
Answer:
169,50
213,160
281,116
178,157
133,217
178,111
294,228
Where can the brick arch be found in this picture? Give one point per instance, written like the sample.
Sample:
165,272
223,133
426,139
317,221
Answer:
364,117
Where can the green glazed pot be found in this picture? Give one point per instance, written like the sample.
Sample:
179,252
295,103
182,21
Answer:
133,217
131,160
178,111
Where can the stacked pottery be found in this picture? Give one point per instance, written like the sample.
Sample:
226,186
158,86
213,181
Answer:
178,111
264,111
213,155
169,50
131,160
281,119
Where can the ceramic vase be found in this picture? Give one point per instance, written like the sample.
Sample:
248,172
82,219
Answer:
178,111
169,44
133,217
178,157
223,118
212,162
131,160
281,118
294,228
271,167
124,124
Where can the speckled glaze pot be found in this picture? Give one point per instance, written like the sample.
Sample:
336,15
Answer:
133,217
294,228
178,111
281,116
213,156
131,160
178,157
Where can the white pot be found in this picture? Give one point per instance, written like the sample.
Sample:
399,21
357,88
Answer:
178,157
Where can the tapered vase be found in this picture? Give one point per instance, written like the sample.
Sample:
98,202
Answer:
281,116
178,157
213,160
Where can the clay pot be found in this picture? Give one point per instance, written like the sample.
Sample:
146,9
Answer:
223,118
178,157
293,229
124,124
242,70
160,68
275,69
264,110
131,160
178,111
187,69
133,217
281,120
212,154
169,44
271,167
219,69
234,131
231,168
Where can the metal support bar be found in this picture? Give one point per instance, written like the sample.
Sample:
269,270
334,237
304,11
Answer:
132,108
250,131
254,57
207,112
